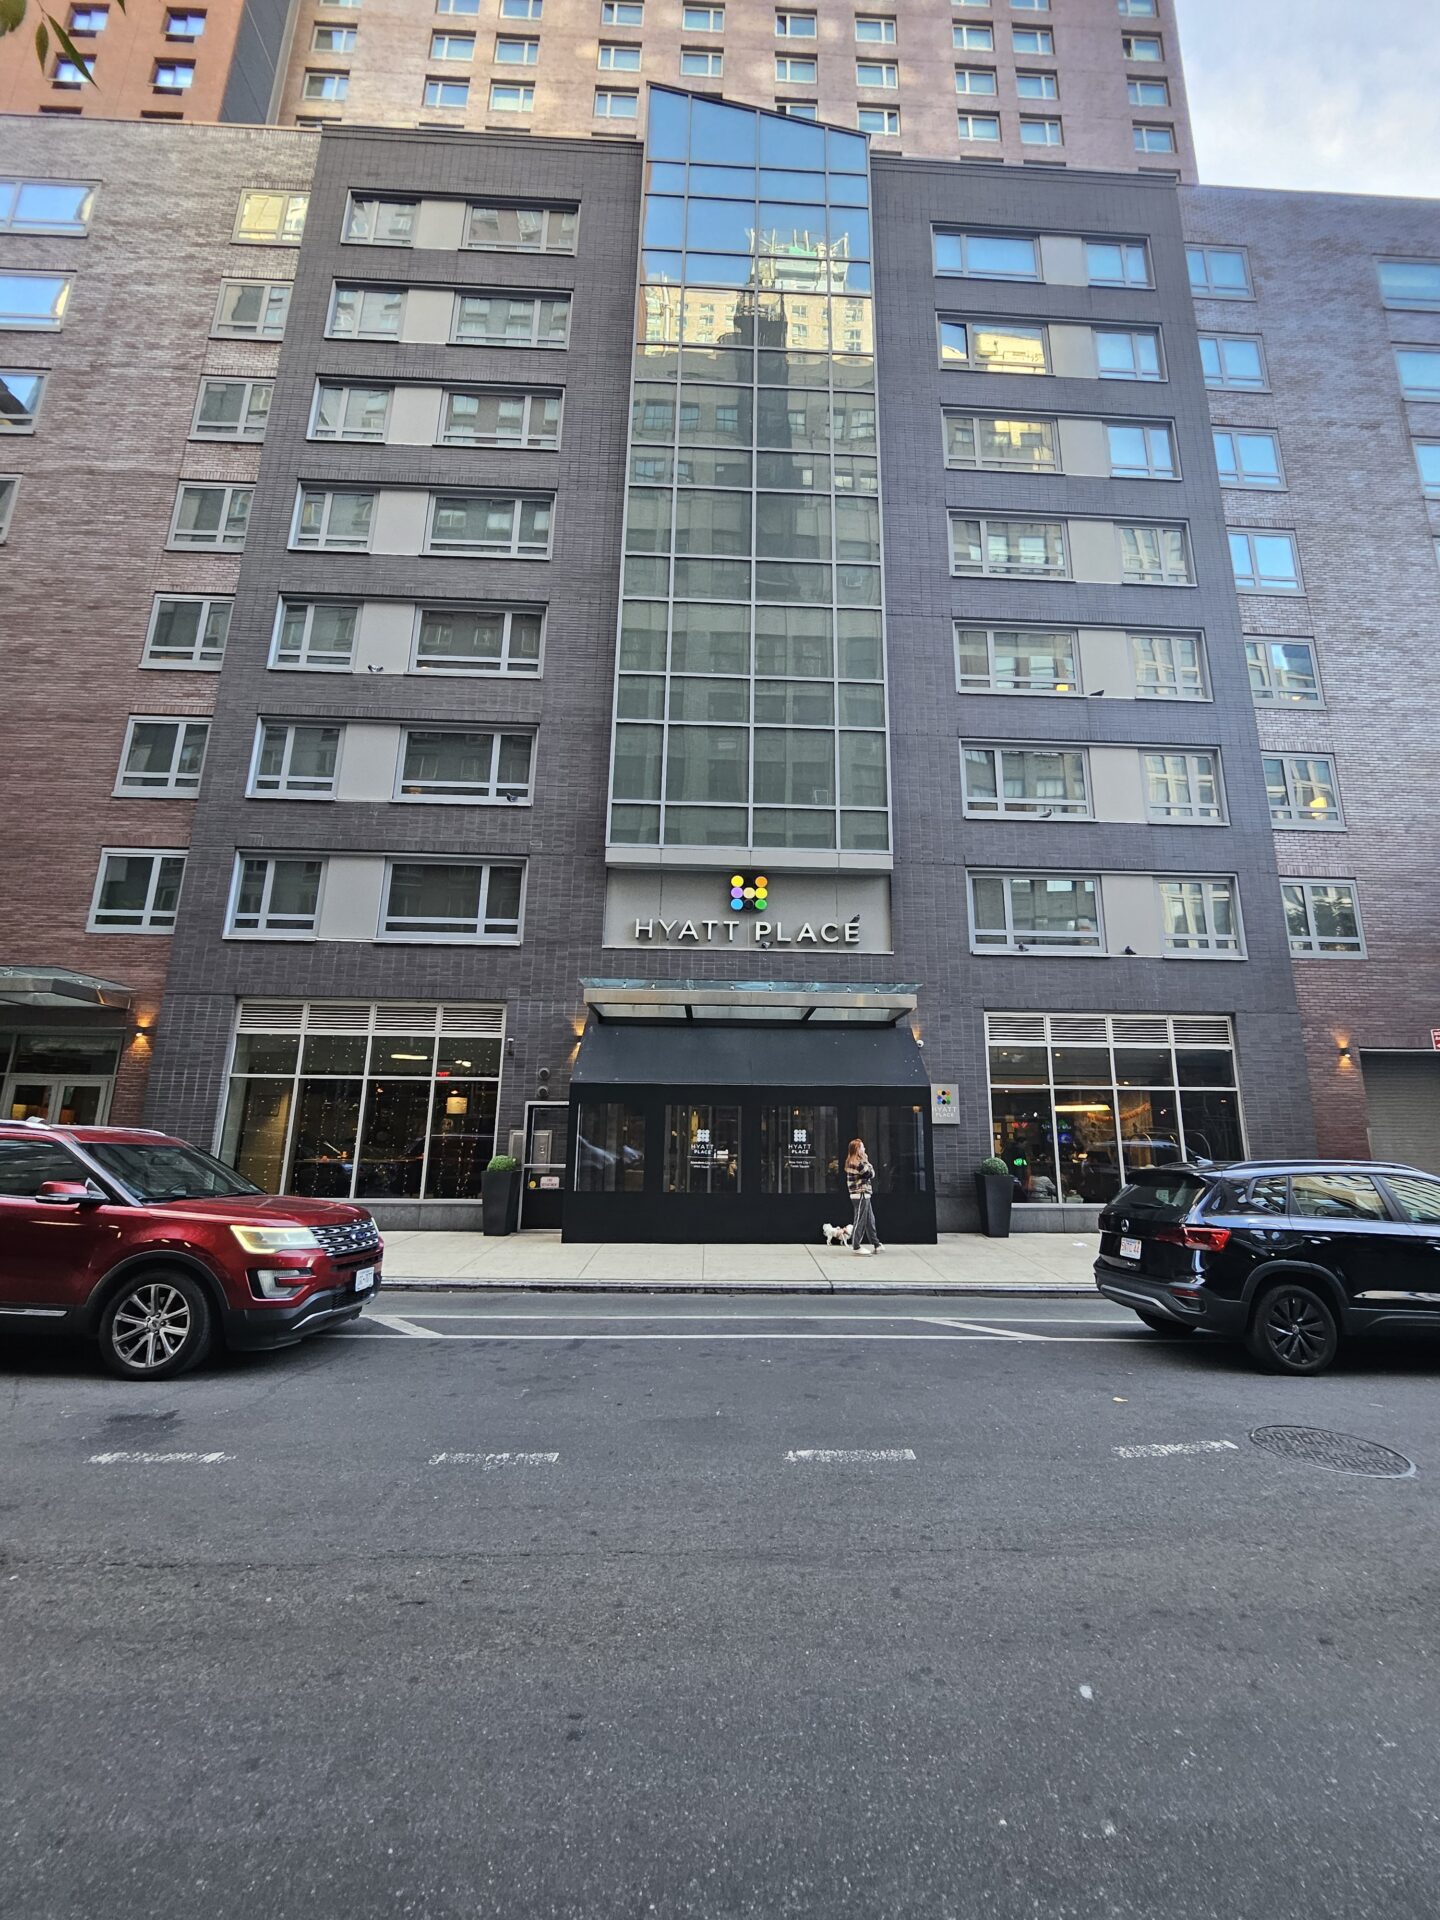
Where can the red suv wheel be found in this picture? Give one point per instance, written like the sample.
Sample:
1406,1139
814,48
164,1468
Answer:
158,1324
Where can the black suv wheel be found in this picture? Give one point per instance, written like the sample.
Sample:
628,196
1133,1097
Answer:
158,1324
1293,1330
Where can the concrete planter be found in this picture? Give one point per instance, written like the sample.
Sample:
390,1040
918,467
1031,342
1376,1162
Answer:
995,1192
500,1195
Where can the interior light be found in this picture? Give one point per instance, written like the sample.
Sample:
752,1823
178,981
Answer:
409,1056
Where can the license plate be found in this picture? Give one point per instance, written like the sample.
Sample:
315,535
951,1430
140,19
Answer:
364,1279
1129,1249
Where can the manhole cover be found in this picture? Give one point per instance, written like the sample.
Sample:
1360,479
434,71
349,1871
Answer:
1337,1452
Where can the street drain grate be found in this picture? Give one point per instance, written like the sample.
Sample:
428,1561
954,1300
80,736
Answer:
1336,1452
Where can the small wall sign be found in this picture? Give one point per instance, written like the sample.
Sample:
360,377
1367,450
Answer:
944,1103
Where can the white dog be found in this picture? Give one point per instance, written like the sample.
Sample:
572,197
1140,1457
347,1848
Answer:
837,1236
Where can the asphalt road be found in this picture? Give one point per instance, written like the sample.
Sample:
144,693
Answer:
500,1609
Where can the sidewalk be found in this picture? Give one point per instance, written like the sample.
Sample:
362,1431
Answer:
1043,1263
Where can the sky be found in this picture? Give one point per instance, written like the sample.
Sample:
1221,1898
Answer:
1333,96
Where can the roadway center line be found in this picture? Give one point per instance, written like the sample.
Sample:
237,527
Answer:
1163,1450
847,1456
157,1459
487,1462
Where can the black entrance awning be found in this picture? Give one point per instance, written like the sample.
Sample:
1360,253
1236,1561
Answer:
714,1055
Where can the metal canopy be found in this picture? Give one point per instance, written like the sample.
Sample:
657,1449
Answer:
699,1059
60,987
745,1002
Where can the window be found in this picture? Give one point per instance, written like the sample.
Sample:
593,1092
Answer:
184,26
1032,40
1153,139
452,900
366,313
514,9
162,756
1417,1198
702,20
461,46
211,517
1168,666
1183,786
1247,459
610,105
1199,916
336,519
1117,263
1148,93
791,72
1032,782
978,126
1040,133
277,896
1140,452
381,223
88,20
975,80
795,26
704,65
502,525
797,109
1218,273
1283,673
1336,1196
28,1165
622,13
315,635
1034,912
350,413
19,401
512,320
992,347
232,410
334,39
620,59
1154,556
876,73
294,761
987,256
175,76
1302,790
1427,462
251,309
974,39
1322,918
272,219
9,488
872,27
1037,86
1016,660
1144,9
1128,355
881,120
511,99
1265,563
1141,46
447,93
991,440
1031,6
479,640
471,767
33,301
186,631
1413,284
67,74
1230,360
525,53
521,229
1024,549
1419,370
137,890
325,86
496,419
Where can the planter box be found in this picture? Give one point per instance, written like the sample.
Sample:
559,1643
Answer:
995,1192
500,1198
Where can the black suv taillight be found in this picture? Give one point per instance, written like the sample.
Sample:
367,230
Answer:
1197,1239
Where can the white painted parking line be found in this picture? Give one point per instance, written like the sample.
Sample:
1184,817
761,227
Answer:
487,1462
157,1459
847,1456
1165,1449
993,1329
399,1324
936,1338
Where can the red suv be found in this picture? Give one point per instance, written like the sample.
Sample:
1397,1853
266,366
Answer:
157,1250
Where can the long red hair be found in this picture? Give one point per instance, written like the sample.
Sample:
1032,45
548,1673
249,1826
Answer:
855,1153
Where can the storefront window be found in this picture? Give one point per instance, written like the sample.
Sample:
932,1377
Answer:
895,1140
702,1149
610,1150
800,1150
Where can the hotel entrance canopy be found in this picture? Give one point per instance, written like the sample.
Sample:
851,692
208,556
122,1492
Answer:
59,987
743,1002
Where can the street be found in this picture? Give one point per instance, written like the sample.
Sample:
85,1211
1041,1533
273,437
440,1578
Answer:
564,1608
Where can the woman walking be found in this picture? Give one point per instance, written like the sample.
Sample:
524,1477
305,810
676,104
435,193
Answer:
860,1179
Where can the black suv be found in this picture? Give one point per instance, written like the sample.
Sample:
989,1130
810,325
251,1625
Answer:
1289,1256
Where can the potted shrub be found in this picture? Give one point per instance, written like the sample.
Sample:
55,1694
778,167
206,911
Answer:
500,1194
994,1189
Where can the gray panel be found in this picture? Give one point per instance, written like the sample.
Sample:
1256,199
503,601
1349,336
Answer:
1402,1098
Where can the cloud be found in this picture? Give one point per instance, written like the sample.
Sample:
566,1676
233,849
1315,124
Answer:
1315,95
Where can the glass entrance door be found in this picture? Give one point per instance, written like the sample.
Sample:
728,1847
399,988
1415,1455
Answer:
542,1190
65,1103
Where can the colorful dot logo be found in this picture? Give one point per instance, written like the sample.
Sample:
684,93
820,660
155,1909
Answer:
944,1097
745,893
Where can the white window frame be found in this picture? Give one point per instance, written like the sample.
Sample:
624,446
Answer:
1037,84
978,419
1050,690
796,70
1153,136
16,426
442,40
1171,680
1223,383
324,86
1430,353
1401,303
1206,941
1248,536
559,229
986,572
168,782
517,501
347,36
530,438
888,70
308,491
793,24
1420,446
244,429
965,240
180,23
309,661
622,13
517,9
1157,96
1154,54
290,228
1132,253
1184,773
1205,287
1291,813
1312,945
287,784
1261,668
1043,38
1134,371
205,654
1052,130
178,76
980,128
972,364
88,21
220,331
1243,481
976,39
619,56
1033,942
262,930
971,83
506,667
147,922
889,118
356,217
535,342
343,289
345,388
1004,807
223,541
1164,578
435,88
479,937
1158,466
703,63
1138,9
13,320
694,20
484,794
516,50
880,38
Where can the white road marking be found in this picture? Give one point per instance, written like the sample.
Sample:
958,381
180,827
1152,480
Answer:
399,1324
1087,1693
157,1459
847,1456
487,1462
1163,1450
995,1329
935,1339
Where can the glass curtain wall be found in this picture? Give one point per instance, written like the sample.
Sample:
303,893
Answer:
750,697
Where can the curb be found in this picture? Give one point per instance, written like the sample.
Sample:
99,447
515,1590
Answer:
1056,1290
